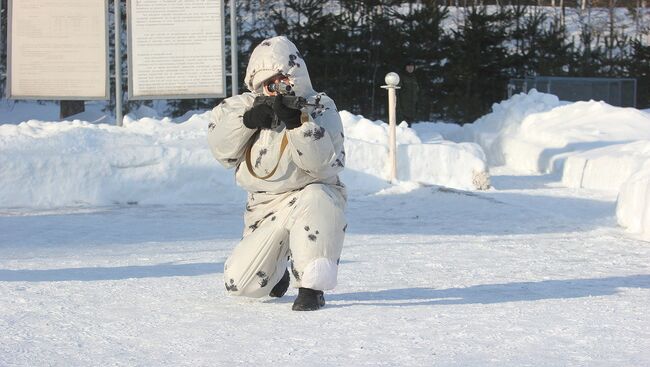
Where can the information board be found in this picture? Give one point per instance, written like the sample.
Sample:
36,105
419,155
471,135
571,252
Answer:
58,49
176,49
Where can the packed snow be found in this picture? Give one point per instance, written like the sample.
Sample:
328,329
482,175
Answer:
434,162
112,244
584,144
160,161
606,168
535,132
633,209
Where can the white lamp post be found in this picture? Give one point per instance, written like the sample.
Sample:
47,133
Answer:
392,80
119,119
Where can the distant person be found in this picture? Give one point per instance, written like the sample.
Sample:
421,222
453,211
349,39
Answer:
288,158
407,97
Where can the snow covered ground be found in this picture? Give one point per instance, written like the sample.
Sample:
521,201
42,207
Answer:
528,273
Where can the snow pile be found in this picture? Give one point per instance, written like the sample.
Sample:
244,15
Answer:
48,164
633,205
497,132
589,144
605,168
157,161
437,162
535,132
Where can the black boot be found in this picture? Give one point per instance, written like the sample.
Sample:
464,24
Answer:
281,288
308,300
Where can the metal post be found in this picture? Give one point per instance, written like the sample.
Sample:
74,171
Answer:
234,79
2,40
392,80
118,63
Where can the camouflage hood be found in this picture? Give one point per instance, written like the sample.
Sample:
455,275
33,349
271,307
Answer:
274,56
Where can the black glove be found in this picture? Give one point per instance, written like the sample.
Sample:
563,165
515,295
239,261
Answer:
260,116
289,116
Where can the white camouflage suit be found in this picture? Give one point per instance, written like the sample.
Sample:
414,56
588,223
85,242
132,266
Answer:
296,214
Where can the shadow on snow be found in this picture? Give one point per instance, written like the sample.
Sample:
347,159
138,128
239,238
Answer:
123,225
492,293
427,211
441,211
111,273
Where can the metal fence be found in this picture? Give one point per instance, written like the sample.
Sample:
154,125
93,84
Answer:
614,91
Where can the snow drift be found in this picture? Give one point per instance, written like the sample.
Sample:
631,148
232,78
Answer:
633,205
606,168
47,164
159,161
588,144
536,132
461,166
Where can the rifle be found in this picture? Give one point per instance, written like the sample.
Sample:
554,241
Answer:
294,102
289,100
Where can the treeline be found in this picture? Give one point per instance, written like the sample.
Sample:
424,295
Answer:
464,56
465,51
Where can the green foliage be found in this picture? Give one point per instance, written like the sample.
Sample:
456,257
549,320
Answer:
540,45
638,67
463,60
475,73
423,42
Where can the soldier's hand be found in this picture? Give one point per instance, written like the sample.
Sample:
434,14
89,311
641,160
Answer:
259,117
289,116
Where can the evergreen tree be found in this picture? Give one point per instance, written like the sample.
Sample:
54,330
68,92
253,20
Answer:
556,53
422,39
639,68
589,56
541,46
345,51
475,73
315,33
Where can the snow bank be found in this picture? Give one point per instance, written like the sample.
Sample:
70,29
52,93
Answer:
535,132
437,162
48,164
633,205
157,161
605,168
591,144
498,132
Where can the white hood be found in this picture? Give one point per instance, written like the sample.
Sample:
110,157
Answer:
274,56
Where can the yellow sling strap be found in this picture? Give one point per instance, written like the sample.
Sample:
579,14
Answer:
283,146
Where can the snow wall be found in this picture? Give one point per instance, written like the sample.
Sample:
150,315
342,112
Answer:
633,205
586,144
157,161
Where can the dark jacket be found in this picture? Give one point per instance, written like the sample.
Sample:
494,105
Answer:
407,97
